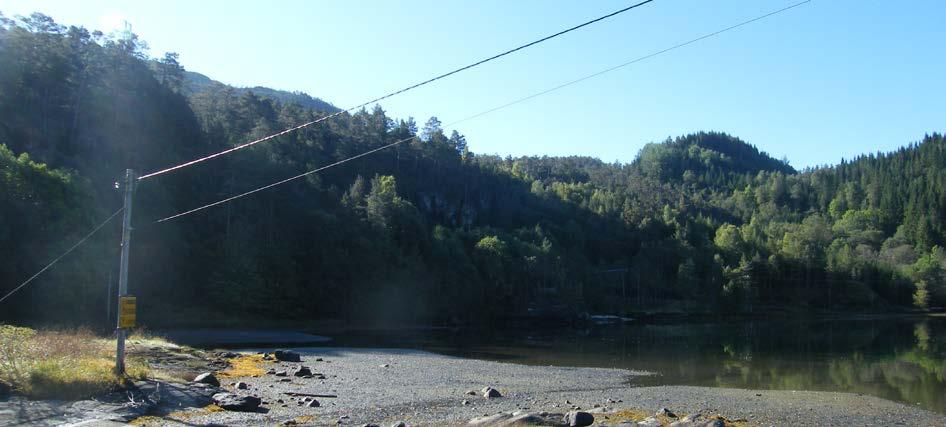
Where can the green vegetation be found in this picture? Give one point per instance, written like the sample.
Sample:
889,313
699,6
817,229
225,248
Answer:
55,364
427,231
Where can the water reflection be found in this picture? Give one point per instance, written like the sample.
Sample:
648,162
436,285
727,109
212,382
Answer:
898,360
902,359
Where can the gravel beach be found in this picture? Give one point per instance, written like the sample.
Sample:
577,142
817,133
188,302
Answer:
383,386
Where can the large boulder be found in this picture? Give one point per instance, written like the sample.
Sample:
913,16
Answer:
287,356
518,418
579,419
233,402
207,378
528,419
488,420
665,412
489,393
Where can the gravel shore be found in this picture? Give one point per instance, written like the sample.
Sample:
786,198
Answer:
382,386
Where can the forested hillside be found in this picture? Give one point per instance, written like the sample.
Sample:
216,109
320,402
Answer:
427,231
196,83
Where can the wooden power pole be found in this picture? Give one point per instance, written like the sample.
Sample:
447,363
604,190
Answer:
126,304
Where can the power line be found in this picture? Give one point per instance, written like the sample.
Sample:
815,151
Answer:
381,98
633,61
266,187
80,242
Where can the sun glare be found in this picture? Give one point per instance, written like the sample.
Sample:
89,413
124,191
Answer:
112,21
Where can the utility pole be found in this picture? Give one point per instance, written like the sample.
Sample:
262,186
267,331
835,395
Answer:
123,274
108,299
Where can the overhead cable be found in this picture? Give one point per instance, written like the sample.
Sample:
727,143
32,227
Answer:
537,94
67,252
265,187
414,86
625,64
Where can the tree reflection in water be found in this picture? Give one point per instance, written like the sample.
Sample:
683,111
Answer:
896,358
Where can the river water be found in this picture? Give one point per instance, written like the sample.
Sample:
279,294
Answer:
896,358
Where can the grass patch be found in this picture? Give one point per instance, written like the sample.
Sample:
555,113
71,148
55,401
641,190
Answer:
175,418
147,421
730,423
304,419
145,338
186,415
61,364
626,415
246,365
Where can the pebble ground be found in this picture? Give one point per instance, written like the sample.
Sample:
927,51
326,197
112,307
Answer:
382,386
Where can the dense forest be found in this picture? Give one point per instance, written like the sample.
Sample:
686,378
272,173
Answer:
427,231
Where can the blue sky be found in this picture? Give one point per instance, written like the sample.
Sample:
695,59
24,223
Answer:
829,79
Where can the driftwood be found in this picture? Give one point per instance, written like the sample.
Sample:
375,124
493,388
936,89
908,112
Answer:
294,394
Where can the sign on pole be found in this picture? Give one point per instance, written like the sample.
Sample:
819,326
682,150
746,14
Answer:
127,312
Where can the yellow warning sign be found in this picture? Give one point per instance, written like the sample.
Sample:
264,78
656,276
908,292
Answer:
127,312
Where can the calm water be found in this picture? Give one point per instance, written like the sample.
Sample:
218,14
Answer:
902,359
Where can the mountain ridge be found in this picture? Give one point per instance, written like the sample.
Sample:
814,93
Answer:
196,83
426,231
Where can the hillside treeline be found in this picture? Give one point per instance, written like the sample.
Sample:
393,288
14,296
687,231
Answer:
427,231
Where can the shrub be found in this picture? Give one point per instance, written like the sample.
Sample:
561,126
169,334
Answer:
67,364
